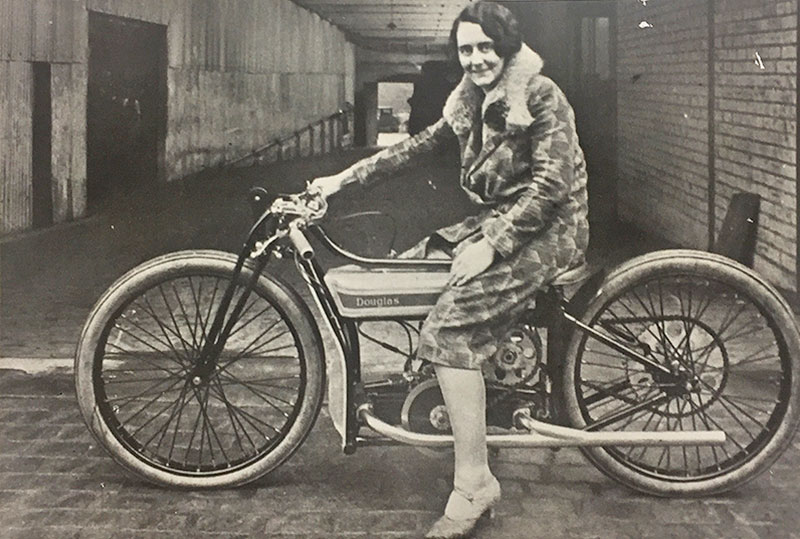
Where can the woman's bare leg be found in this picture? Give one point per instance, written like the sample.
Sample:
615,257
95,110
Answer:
465,397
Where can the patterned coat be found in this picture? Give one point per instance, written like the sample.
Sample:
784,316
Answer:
522,165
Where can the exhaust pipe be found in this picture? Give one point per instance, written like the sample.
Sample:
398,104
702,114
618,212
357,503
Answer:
545,435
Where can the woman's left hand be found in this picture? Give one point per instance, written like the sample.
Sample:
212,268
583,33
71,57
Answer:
470,262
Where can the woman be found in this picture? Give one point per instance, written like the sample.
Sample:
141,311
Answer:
523,167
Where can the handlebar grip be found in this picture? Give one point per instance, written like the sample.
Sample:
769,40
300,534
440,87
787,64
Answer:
300,242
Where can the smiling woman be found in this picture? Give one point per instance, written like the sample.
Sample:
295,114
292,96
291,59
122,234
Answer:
477,56
522,166
482,39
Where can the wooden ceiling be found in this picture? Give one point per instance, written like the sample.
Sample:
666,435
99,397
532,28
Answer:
391,25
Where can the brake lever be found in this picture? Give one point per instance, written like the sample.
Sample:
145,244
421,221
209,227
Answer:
314,202
308,206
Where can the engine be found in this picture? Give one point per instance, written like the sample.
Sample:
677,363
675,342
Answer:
514,377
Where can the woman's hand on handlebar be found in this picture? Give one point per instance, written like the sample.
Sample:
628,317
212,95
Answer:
327,185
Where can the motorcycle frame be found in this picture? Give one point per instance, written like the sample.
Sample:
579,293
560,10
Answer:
553,314
345,329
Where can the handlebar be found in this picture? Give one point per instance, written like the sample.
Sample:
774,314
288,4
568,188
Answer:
300,242
291,213
290,217
307,206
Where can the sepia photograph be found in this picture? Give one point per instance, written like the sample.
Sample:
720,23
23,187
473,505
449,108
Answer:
399,269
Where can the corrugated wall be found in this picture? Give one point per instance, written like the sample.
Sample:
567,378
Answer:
155,11
662,78
69,140
241,73
51,31
281,68
15,145
42,30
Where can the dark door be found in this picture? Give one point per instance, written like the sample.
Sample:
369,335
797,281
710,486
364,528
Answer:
576,40
594,99
42,170
127,104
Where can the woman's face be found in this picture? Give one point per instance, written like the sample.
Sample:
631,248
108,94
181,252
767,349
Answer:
477,55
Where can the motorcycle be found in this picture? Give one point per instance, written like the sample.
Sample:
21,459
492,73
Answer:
675,373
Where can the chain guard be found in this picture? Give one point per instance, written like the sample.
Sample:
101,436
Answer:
517,358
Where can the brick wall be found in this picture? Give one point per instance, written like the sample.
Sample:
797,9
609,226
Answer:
663,81
662,89
755,118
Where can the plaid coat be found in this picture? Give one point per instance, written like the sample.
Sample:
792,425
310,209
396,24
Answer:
522,165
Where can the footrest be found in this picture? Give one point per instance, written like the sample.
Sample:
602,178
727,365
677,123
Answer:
580,437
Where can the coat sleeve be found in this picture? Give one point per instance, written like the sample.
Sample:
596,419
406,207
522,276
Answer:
399,156
552,171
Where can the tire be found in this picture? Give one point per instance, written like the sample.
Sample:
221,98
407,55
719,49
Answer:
736,341
155,417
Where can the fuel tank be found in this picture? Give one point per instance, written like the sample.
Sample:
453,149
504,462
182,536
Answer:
395,292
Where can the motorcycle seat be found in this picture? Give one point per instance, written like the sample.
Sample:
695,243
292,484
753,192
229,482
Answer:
573,276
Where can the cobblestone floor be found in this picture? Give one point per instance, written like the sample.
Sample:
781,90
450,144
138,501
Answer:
56,482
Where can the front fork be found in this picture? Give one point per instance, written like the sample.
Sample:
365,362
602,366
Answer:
343,369
220,330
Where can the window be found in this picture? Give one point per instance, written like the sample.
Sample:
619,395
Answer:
596,47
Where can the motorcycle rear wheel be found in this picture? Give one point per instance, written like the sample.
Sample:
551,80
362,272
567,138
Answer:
141,398
735,341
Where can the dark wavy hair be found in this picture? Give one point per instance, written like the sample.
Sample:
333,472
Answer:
496,21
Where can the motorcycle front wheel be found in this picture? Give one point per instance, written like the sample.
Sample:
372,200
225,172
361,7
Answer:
136,382
733,344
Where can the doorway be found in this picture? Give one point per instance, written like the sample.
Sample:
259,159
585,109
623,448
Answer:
393,111
42,144
576,39
436,80
126,107
594,99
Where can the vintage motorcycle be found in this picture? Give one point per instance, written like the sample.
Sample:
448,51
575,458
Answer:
676,373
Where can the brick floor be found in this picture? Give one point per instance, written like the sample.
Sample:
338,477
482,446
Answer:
56,482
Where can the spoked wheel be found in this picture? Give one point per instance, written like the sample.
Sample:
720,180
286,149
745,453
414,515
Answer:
731,347
143,396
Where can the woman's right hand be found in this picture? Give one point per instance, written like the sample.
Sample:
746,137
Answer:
327,185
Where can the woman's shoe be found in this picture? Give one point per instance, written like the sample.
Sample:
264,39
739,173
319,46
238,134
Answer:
464,510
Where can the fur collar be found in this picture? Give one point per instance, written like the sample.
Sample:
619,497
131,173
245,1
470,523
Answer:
505,106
